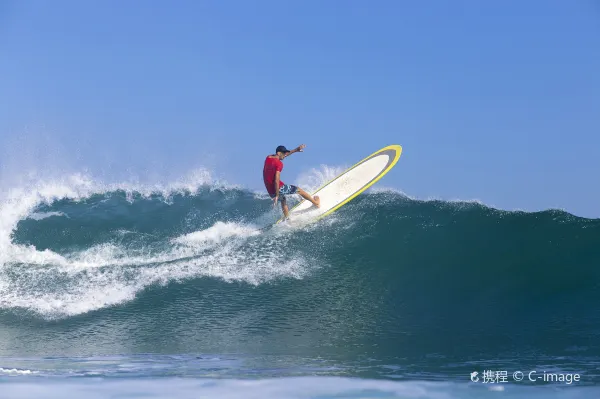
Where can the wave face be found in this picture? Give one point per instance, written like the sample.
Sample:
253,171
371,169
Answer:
431,287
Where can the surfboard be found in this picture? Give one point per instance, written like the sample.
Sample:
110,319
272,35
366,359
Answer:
348,185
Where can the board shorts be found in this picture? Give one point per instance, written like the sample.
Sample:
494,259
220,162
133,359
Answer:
285,190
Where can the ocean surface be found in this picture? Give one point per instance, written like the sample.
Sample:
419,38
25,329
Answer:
174,291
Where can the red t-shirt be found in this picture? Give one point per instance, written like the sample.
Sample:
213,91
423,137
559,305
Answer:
272,165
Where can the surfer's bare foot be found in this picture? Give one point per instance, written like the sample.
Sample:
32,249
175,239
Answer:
314,200
317,201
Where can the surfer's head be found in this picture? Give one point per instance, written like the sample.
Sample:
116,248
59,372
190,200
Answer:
281,151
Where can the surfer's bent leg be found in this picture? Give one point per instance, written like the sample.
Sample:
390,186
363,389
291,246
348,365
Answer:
284,207
315,200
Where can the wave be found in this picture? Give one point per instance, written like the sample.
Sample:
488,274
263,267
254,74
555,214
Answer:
380,275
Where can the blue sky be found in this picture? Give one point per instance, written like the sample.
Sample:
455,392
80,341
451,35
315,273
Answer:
496,101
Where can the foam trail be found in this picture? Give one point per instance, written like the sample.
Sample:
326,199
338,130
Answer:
107,274
217,233
16,371
57,285
45,215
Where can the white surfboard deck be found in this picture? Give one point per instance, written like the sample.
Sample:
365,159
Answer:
346,186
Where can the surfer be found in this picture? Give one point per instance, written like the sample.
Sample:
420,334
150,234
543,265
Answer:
275,187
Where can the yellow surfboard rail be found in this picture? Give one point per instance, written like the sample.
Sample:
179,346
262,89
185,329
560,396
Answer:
398,152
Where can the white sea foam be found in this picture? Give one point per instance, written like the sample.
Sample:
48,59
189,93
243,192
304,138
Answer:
217,233
105,276
45,215
285,388
314,178
58,285
16,371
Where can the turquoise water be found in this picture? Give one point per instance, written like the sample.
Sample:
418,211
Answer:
149,292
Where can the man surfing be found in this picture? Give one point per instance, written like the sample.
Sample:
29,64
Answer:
275,187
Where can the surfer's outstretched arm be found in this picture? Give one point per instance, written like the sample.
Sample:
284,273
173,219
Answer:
300,148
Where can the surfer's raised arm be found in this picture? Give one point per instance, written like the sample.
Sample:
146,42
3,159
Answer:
300,148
